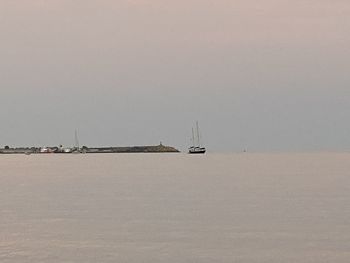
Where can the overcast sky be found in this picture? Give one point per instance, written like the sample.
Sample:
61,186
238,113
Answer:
267,75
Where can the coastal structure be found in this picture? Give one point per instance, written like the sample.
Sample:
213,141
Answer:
61,150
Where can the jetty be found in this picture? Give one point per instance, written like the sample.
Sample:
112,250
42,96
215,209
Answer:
60,150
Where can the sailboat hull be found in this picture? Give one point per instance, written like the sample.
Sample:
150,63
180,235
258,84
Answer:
197,151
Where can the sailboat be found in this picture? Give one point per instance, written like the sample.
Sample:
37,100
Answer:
196,147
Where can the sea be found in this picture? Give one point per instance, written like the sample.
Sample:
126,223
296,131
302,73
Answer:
150,208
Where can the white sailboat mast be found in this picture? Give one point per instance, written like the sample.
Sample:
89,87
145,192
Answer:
193,141
77,140
198,138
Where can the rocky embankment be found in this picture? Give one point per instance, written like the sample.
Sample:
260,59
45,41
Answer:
133,149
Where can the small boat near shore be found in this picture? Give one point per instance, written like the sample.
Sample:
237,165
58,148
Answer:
196,147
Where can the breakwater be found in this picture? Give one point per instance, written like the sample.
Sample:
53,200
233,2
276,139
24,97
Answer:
59,150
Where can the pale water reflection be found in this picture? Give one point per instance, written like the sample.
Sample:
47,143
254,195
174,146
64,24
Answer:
175,208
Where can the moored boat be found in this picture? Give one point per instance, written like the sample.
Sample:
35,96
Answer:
196,147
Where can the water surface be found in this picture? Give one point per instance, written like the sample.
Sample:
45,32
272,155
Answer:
175,208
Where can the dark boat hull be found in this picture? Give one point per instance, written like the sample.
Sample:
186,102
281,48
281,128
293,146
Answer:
203,152
197,151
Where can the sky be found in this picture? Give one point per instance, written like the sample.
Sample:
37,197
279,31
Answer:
266,75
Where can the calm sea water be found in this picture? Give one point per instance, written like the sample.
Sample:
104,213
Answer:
175,208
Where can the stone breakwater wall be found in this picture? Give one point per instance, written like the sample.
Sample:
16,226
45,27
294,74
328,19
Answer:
131,149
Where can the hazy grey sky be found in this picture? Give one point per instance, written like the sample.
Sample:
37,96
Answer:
263,74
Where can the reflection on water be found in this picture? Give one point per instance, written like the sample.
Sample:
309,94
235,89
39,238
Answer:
175,208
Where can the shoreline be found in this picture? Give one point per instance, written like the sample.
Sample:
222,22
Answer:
59,150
